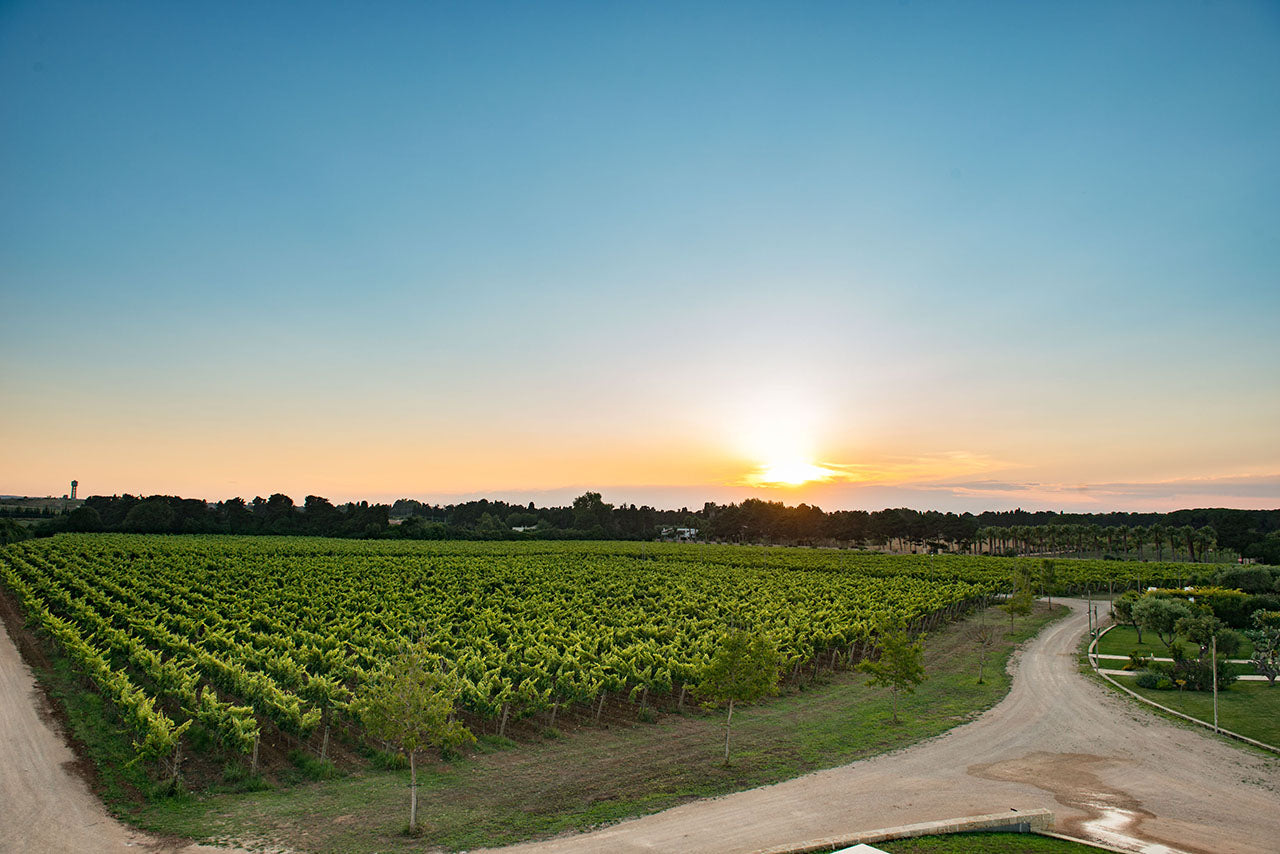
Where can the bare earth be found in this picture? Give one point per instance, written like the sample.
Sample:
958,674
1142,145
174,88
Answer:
45,806
1109,771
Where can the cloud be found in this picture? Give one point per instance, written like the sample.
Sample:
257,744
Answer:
1242,491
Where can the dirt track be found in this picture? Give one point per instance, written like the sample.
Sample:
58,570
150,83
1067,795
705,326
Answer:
45,806
1108,771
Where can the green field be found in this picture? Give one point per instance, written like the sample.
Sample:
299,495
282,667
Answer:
218,644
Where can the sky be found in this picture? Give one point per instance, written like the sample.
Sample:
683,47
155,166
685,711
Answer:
954,256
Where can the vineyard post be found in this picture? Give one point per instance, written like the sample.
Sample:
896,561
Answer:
1214,661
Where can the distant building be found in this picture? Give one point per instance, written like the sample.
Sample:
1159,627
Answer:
74,484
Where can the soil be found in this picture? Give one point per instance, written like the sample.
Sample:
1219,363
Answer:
1109,771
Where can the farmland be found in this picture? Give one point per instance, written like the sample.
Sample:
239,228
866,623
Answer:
225,639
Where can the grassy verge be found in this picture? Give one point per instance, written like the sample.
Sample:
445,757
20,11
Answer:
592,776
984,843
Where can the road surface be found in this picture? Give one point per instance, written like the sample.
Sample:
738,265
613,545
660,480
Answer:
1109,770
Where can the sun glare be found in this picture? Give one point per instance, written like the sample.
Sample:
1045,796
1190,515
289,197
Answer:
789,473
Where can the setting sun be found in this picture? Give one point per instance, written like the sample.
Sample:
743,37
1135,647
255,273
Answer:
789,473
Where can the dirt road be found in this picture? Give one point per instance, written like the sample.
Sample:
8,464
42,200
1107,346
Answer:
1108,770
44,805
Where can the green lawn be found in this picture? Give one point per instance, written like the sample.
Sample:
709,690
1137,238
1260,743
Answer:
1249,708
984,843
591,776
1123,640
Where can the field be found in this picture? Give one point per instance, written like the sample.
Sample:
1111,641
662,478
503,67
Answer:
230,661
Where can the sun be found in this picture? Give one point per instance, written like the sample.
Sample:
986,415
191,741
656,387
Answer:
789,472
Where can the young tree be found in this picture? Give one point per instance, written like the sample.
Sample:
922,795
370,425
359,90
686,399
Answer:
408,706
900,667
984,638
1019,605
743,669
1265,636
1048,577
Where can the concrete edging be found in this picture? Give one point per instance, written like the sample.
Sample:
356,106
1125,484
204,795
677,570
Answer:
1093,663
1031,821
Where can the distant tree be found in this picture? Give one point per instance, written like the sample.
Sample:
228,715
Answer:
743,669
84,519
591,514
152,516
408,706
12,532
900,667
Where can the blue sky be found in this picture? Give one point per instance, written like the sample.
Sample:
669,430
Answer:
433,249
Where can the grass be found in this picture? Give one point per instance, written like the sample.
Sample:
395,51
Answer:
1249,708
984,843
1123,640
589,776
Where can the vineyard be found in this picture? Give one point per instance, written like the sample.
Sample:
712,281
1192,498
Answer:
232,638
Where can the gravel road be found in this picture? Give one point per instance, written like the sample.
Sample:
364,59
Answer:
1108,770
45,806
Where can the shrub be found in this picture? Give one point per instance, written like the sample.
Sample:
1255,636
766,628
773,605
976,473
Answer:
1138,661
1147,679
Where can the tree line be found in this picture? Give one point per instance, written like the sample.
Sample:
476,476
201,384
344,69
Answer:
1195,535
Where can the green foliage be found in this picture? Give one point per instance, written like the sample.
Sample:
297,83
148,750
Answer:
12,532
1265,637
900,667
312,767
1160,616
743,669
1207,632
408,705
1122,611
1018,605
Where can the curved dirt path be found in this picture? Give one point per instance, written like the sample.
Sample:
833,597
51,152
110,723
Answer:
1108,770
44,805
